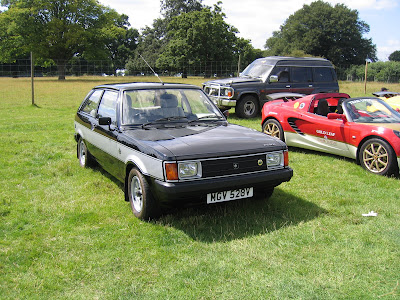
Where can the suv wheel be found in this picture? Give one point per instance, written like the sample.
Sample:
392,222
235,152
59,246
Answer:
248,107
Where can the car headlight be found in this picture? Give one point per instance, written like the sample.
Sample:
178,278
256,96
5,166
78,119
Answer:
227,92
397,133
189,170
275,159
182,170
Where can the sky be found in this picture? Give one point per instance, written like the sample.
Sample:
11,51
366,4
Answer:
257,19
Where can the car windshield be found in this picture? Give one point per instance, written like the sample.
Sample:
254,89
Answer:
146,107
257,69
371,110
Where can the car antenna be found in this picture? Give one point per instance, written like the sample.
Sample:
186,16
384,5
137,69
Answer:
150,68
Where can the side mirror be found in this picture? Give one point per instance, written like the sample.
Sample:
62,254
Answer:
226,113
273,78
105,121
335,116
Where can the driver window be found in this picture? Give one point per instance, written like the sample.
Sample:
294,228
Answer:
282,73
108,106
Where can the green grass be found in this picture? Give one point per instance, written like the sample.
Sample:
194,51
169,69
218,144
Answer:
66,232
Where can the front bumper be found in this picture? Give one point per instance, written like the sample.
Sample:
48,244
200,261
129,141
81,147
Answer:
197,190
223,102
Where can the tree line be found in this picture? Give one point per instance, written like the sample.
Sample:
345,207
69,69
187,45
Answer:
187,35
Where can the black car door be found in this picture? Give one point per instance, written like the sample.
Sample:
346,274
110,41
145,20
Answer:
106,135
302,80
279,81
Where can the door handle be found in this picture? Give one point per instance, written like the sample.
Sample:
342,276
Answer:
288,86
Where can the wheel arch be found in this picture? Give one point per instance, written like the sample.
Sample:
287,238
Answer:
269,118
128,167
248,93
283,138
369,137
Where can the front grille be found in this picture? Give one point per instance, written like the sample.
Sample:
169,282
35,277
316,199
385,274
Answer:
234,165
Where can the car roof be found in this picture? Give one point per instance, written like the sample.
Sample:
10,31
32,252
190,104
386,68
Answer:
296,61
146,85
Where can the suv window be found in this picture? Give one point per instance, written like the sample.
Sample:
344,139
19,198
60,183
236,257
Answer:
91,103
323,75
301,74
108,106
282,73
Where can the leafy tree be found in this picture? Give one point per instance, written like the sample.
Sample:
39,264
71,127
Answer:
200,37
58,30
173,8
320,29
395,56
153,40
122,45
151,43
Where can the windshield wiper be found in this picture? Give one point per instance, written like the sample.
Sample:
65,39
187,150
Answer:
174,118
206,117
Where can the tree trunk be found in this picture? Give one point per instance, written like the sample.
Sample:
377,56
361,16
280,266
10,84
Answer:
61,69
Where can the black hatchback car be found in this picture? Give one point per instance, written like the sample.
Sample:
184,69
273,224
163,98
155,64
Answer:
168,143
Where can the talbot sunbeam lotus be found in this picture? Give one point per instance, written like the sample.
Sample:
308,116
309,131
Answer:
169,144
365,129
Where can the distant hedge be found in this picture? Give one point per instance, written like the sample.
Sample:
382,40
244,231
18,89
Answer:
388,71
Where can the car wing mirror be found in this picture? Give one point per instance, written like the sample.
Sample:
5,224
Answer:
273,78
104,121
335,116
226,113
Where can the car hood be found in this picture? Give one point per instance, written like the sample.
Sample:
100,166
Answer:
194,142
231,81
393,126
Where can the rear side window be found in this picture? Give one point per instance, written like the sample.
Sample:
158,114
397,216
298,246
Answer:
323,75
92,102
108,106
301,74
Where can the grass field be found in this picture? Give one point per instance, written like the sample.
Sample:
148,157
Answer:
66,232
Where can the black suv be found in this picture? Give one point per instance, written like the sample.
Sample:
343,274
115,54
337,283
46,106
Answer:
274,74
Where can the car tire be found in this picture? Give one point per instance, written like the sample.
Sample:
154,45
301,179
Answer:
84,157
273,128
378,157
248,107
143,204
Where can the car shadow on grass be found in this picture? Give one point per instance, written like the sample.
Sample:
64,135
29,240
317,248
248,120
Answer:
242,218
238,219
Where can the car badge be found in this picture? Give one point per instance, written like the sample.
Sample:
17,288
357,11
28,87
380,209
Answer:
235,166
260,162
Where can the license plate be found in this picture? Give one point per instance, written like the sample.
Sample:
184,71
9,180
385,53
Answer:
229,195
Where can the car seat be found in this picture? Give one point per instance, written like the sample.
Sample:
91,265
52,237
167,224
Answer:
169,106
322,107
339,107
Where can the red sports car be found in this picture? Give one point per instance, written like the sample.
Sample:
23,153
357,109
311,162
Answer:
366,129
